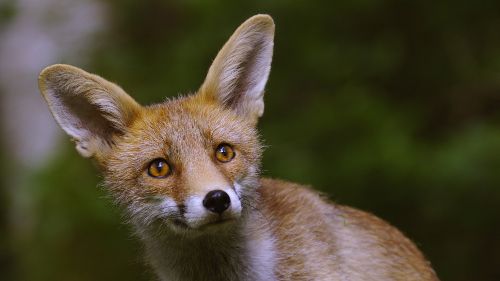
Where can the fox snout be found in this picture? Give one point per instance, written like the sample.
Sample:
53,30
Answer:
196,212
217,201
213,207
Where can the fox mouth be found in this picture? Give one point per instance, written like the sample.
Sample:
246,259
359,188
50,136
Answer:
183,225
217,222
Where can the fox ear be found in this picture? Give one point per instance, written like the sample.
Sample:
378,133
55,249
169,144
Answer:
239,73
87,107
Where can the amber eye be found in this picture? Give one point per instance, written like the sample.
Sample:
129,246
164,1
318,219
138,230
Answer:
224,152
159,168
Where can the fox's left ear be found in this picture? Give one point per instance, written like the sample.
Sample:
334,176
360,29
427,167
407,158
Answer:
239,73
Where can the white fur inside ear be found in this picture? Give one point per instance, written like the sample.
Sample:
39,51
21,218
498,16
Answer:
83,149
87,107
240,71
67,122
246,69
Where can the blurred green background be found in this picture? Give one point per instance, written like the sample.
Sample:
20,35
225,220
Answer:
389,106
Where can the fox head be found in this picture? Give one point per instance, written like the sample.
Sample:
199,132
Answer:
189,163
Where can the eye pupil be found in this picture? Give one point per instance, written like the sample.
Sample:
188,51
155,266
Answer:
159,168
224,153
159,165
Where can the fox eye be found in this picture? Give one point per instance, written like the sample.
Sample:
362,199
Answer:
224,152
159,168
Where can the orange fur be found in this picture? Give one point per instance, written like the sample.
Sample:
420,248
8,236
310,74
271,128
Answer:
269,229
378,244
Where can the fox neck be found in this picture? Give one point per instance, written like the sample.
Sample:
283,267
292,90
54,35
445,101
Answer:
242,251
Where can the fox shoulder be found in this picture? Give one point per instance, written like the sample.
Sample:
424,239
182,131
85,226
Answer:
333,240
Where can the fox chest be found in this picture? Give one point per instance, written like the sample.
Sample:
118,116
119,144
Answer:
214,265
241,259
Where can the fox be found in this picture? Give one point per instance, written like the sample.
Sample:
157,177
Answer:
186,173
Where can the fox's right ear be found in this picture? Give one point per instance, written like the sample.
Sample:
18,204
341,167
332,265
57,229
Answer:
87,107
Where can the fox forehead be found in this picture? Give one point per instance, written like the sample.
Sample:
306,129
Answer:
185,127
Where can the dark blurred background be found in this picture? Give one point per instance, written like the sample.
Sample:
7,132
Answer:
389,106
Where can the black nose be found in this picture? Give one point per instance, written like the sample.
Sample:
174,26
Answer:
217,201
